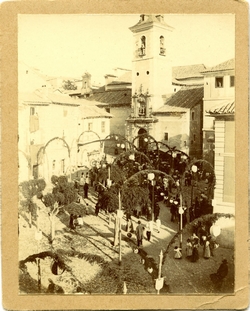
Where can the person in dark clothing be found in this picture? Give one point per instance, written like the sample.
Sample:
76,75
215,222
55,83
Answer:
86,186
97,208
51,287
139,234
195,253
71,221
218,277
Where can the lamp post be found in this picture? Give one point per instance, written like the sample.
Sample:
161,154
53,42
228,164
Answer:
194,169
173,153
151,177
119,216
181,211
38,237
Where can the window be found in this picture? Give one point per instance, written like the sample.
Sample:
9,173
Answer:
165,136
103,126
162,48
53,164
107,109
194,137
32,111
231,81
90,126
192,115
218,82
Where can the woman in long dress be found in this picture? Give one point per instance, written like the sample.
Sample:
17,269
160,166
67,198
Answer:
189,248
195,253
207,252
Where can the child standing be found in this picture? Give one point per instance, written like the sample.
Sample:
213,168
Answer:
158,224
178,254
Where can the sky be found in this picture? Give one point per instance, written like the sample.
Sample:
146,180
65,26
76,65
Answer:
69,45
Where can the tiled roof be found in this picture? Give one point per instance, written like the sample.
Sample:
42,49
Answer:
148,19
34,98
187,97
224,108
91,111
62,99
227,65
38,98
166,109
191,71
116,97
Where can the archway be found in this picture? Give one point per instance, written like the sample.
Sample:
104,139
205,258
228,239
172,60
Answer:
143,143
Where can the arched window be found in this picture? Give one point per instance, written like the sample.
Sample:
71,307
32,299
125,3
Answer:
142,51
162,46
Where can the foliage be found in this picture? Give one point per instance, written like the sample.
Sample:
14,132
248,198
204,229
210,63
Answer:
29,206
29,189
108,199
54,179
116,175
69,85
43,255
49,199
134,196
63,192
32,187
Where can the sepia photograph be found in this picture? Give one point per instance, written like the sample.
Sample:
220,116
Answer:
126,154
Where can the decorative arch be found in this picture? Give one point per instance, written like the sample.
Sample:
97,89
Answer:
99,138
145,139
120,138
58,138
27,157
131,155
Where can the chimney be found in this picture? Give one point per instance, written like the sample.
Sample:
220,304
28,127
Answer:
109,79
142,16
160,18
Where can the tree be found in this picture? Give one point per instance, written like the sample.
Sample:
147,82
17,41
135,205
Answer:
30,189
62,194
69,85
135,198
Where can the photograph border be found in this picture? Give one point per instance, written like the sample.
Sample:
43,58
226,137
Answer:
9,182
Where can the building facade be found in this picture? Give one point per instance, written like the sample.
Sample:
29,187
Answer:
54,133
224,166
218,90
151,74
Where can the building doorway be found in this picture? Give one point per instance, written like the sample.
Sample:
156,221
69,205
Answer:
143,141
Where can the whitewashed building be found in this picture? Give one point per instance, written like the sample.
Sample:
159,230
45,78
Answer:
224,160
53,132
218,91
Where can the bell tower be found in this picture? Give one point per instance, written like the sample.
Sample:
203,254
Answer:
151,72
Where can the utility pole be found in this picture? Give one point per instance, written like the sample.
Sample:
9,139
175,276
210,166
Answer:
120,231
159,280
160,264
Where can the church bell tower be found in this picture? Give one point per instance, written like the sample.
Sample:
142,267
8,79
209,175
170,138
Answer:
151,73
